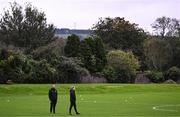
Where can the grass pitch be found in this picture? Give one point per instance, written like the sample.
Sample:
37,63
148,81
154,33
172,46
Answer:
93,100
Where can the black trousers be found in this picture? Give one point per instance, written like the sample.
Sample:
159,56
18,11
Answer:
53,106
73,104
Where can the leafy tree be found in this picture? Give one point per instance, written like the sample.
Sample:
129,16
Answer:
27,29
121,34
158,54
174,29
122,65
175,47
165,26
71,48
161,25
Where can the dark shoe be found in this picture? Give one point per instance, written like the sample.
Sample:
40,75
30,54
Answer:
77,113
70,114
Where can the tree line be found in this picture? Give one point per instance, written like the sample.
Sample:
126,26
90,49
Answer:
117,50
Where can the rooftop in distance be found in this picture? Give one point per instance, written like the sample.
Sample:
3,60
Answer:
65,32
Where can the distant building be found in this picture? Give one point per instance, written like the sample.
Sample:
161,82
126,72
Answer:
65,32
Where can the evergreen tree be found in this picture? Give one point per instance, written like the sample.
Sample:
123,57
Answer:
93,54
100,54
25,29
72,46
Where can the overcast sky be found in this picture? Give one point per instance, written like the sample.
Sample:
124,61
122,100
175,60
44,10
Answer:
82,14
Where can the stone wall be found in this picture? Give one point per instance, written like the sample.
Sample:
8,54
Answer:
141,79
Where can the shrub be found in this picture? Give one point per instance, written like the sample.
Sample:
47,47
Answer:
50,52
70,70
155,76
173,73
122,66
23,69
110,74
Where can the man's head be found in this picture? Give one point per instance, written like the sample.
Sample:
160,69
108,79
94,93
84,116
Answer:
73,87
53,85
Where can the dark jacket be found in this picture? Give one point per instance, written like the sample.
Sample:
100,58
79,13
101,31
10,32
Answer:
53,95
72,95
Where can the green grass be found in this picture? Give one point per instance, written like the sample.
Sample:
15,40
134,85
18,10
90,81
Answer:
93,100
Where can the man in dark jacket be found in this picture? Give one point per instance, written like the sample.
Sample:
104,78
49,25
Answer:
53,98
73,100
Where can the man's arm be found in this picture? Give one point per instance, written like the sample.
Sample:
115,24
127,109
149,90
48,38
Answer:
50,95
56,95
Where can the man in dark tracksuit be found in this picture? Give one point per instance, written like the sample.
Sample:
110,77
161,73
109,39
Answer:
53,98
73,100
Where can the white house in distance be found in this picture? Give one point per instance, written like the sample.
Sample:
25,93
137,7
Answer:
65,32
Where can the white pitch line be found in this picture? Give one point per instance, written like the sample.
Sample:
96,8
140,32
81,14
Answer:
160,108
